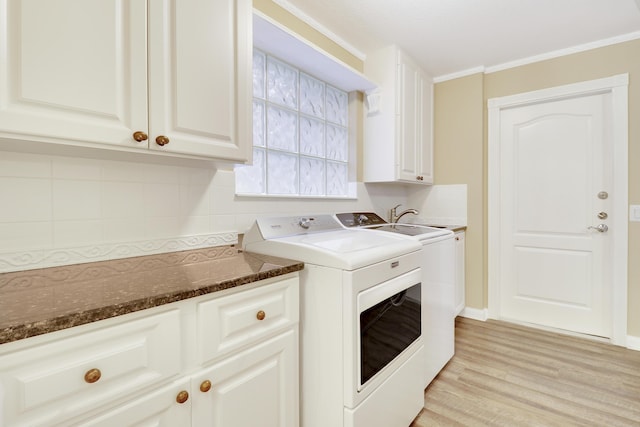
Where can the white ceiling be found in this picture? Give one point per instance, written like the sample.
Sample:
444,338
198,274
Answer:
453,36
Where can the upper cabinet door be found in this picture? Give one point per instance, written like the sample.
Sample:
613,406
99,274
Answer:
200,77
415,90
408,117
425,127
73,70
398,138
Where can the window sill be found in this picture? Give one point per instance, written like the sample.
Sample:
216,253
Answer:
353,195
293,196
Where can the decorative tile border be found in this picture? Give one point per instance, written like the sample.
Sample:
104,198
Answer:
27,260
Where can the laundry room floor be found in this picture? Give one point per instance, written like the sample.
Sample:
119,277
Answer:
510,375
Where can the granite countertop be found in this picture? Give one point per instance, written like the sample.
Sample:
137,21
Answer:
35,302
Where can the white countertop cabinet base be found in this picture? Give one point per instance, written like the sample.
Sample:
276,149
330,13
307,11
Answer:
459,303
93,74
251,388
143,366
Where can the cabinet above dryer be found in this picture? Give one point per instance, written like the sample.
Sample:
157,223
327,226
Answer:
398,123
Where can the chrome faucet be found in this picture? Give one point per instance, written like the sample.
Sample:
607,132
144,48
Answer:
394,218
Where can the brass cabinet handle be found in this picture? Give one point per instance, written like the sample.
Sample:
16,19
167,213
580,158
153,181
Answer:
261,315
205,386
182,397
140,136
162,140
92,375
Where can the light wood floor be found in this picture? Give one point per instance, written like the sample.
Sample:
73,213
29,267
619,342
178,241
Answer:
509,375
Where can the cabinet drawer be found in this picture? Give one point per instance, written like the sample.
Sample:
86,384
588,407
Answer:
156,408
45,383
230,322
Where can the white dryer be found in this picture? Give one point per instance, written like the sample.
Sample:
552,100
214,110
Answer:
361,346
438,280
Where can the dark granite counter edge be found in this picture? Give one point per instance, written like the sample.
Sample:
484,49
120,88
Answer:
27,330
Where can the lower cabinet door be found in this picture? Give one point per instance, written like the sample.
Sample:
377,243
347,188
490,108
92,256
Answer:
169,406
254,387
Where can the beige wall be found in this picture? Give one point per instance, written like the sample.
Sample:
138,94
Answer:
307,32
458,155
458,160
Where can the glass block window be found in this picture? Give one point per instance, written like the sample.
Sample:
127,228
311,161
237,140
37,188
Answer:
300,134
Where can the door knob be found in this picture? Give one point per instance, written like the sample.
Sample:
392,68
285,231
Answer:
600,227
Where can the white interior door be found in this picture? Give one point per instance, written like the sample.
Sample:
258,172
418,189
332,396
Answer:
555,167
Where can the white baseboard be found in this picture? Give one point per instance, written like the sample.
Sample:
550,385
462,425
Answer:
475,313
633,343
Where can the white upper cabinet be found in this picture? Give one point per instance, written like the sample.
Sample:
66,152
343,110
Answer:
106,72
73,71
398,136
200,78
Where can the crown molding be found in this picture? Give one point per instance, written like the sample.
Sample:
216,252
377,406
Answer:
321,28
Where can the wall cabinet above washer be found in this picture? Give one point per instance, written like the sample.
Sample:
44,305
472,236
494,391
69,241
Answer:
171,77
398,132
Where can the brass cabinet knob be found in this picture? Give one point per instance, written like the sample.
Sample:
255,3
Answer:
420,178
205,386
182,397
261,315
92,375
162,140
140,136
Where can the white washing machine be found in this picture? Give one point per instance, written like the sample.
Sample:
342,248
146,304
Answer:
361,343
438,278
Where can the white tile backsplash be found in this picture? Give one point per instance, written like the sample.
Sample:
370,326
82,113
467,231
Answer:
123,200
25,199
76,168
24,165
25,236
194,200
219,223
160,174
123,230
123,171
161,200
57,209
76,199
193,225
441,205
77,233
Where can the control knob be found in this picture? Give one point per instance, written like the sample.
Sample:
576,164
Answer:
305,223
362,219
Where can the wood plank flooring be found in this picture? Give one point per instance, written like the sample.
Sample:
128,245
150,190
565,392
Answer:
510,375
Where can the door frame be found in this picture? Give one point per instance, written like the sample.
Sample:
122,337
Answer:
617,86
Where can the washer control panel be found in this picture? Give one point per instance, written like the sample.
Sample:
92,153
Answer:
275,227
360,219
